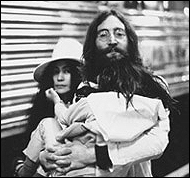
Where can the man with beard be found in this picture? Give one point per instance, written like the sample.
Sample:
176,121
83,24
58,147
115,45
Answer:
113,64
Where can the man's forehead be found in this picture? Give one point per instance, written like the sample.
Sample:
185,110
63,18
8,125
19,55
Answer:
111,22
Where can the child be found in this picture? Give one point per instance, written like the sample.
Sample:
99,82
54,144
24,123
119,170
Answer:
103,114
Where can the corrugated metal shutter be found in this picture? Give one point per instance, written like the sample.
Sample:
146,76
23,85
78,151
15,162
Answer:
29,31
164,44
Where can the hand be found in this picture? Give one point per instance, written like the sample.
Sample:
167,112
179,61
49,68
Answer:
80,156
52,95
49,156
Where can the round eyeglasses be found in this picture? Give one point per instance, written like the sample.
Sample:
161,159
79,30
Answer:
105,35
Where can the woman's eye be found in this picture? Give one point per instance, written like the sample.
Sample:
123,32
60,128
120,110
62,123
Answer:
55,71
66,71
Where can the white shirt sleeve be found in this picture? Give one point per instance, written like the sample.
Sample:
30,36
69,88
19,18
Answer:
149,146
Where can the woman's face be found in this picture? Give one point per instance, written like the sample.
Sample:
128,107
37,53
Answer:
61,77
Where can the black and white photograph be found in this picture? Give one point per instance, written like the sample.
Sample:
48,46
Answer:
94,88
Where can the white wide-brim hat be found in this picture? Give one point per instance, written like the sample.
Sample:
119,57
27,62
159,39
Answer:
66,48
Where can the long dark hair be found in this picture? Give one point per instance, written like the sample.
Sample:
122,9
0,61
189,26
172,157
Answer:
89,48
134,78
41,106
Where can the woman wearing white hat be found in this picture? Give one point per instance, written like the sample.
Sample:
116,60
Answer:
61,72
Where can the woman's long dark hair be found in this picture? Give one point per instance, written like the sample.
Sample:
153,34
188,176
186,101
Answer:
41,106
134,78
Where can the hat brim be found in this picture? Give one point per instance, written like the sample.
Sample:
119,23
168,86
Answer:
39,70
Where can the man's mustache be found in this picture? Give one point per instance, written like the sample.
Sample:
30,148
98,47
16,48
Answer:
113,49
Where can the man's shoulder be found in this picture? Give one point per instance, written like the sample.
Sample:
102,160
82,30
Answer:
162,81
84,89
87,84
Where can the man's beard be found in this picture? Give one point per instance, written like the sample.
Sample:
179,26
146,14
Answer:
114,70
110,54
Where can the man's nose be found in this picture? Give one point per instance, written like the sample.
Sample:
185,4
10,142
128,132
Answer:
113,41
